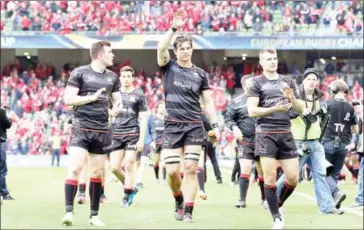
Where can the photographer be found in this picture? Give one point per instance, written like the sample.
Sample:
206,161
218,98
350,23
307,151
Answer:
306,131
5,123
338,135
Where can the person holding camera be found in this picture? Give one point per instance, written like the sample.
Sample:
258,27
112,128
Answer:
306,131
5,123
337,138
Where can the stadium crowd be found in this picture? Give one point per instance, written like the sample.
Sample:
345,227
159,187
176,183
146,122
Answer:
203,16
34,96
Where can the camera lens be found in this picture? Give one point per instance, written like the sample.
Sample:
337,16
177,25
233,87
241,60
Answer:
312,118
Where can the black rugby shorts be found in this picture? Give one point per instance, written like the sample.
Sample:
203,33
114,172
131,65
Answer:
127,142
246,151
178,134
95,142
280,146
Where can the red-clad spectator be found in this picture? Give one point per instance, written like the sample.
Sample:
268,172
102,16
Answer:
25,23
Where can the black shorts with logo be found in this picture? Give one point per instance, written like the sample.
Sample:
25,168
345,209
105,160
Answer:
280,146
95,142
246,150
126,142
178,134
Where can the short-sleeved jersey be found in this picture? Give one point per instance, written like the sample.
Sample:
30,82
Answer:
237,115
342,118
157,129
182,89
127,120
270,92
93,115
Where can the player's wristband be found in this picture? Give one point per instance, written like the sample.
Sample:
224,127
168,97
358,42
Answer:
215,125
174,29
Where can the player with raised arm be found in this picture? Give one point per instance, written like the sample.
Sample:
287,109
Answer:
128,134
88,90
184,84
270,98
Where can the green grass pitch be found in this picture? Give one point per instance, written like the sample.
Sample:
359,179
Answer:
39,204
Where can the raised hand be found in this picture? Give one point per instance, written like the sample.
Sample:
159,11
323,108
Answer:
179,19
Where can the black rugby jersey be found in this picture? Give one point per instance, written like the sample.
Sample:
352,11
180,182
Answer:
270,92
127,120
93,115
237,115
157,129
182,89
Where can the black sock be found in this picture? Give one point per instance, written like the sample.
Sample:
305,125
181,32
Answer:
94,189
82,188
272,199
178,197
156,171
261,186
164,172
201,179
127,193
287,190
189,207
70,190
243,186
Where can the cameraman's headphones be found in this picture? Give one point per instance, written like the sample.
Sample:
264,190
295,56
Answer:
337,86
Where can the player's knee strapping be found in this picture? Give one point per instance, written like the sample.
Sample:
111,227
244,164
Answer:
172,160
192,156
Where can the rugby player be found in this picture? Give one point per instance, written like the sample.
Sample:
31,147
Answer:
271,96
157,124
88,90
237,119
128,137
183,84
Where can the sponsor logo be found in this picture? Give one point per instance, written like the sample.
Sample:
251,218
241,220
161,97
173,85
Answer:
184,85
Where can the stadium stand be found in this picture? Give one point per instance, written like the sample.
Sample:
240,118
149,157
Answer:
300,17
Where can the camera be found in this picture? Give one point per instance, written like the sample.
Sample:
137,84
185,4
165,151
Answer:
337,142
355,102
304,149
313,117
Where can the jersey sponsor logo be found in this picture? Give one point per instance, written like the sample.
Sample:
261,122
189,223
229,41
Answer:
272,101
109,79
103,95
183,85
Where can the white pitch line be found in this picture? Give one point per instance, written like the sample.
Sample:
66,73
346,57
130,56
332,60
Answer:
308,197
311,198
